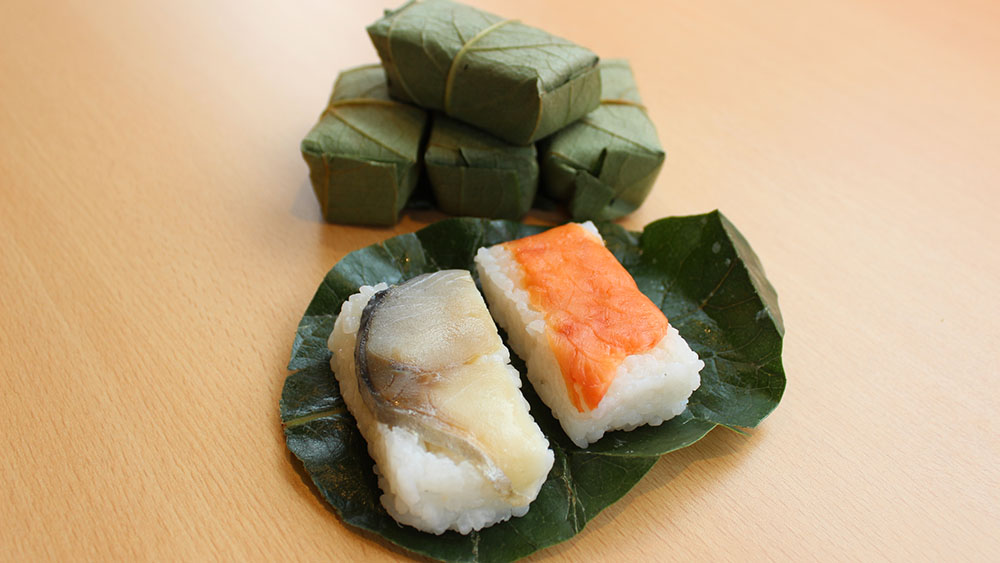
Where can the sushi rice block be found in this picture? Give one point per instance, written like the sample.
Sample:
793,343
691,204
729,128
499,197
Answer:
422,369
599,353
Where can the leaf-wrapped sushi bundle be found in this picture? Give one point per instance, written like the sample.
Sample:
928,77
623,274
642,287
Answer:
517,82
475,173
364,152
606,163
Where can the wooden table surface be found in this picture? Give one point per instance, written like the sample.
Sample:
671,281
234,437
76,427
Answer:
159,242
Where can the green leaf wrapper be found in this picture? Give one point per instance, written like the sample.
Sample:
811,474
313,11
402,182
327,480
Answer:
606,163
698,269
474,173
364,152
514,81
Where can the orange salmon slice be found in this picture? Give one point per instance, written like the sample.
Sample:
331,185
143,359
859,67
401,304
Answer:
595,314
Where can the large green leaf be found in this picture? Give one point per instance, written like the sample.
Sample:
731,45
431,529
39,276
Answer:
701,272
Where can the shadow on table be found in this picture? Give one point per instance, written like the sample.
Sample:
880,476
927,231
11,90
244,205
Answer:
305,206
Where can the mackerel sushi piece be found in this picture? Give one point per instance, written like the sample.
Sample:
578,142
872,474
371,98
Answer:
422,369
599,353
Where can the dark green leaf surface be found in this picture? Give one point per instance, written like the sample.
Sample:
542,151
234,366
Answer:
700,271
476,174
605,164
512,80
364,152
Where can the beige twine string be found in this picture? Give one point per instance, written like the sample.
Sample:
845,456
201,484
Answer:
332,108
616,102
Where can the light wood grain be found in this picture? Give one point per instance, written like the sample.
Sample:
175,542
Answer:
159,242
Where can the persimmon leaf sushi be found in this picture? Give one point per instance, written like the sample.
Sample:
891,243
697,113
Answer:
425,374
364,153
475,173
514,81
605,164
599,353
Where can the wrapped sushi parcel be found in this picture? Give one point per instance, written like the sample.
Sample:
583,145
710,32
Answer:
364,152
425,374
605,164
512,80
599,353
474,173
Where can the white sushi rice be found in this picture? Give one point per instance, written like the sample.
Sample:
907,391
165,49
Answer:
421,488
647,389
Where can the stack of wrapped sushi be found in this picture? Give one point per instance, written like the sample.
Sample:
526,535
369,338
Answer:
486,111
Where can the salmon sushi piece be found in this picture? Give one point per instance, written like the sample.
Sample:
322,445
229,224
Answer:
599,353
429,381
